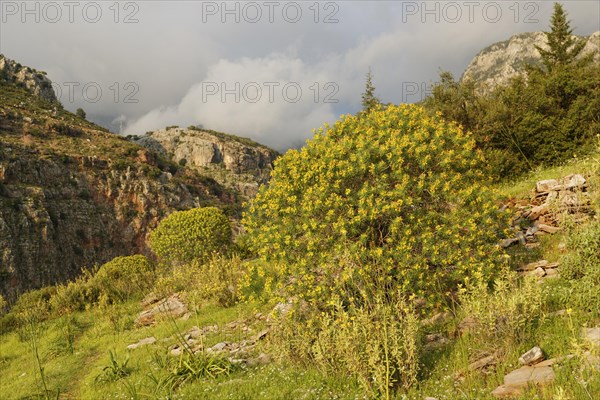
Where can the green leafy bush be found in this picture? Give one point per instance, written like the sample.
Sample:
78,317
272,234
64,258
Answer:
399,191
124,277
195,234
74,295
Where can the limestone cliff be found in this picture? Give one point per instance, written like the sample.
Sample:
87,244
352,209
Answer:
34,81
235,162
497,64
73,195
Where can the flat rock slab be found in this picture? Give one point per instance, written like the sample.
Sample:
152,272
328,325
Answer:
168,307
483,362
534,265
519,379
592,334
143,342
532,356
529,375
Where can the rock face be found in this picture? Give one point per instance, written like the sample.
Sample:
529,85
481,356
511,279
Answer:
234,162
73,196
34,81
497,64
552,201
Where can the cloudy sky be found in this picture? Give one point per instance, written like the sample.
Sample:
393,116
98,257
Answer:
269,70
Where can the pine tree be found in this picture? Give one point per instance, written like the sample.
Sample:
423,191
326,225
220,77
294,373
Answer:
563,48
369,101
80,113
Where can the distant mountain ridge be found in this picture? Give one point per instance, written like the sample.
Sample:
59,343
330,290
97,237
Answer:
498,63
235,162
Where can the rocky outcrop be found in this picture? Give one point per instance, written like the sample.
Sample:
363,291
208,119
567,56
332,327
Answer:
73,196
498,63
235,162
552,201
34,81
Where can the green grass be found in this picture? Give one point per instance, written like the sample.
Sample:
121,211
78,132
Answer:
75,375
522,187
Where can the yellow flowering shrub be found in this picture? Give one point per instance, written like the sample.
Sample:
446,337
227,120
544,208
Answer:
189,235
398,192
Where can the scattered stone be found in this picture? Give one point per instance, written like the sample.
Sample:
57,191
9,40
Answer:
261,335
539,272
537,211
218,347
528,375
151,298
262,359
483,363
435,341
546,186
280,310
143,342
436,319
533,356
548,228
551,273
171,306
508,242
517,380
592,360
592,335
534,265
552,361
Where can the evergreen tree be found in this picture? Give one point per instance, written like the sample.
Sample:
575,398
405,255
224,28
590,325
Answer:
369,101
80,113
563,47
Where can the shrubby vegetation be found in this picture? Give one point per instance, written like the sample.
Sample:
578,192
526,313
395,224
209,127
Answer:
196,234
375,210
380,221
582,268
544,118
399,192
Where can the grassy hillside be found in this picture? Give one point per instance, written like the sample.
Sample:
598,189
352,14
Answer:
82,353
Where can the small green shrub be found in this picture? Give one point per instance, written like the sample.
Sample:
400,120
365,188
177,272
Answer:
74,295
195,234
35,300
124,277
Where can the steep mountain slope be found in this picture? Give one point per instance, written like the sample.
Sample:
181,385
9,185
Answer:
497,64
73,195
235,162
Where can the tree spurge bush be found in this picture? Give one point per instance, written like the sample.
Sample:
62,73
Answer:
195,234
399,191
